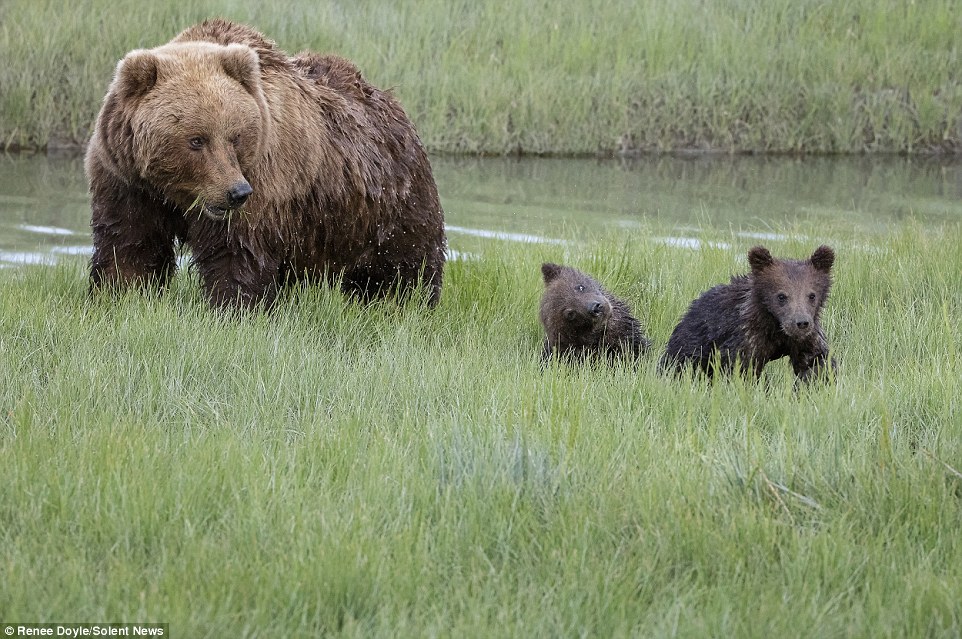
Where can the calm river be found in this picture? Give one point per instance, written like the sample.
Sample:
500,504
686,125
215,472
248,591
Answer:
44,207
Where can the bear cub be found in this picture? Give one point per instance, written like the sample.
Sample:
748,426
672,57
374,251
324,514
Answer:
768,314
582,320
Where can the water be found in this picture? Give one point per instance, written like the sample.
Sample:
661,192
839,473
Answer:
44,206
44,209
757,198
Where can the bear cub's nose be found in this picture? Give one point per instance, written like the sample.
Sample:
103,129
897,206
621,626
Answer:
238,194
595,308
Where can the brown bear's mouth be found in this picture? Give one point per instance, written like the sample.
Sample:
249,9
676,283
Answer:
215,213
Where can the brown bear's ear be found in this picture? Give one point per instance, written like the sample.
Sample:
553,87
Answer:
823,258
136,73
550,271
759,258
241,63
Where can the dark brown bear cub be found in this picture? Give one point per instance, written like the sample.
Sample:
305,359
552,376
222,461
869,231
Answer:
770,313
581,319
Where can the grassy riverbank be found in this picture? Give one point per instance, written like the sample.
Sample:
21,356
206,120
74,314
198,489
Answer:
331,469
563,78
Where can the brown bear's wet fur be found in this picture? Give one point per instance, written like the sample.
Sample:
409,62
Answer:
772,312
581,319
268,168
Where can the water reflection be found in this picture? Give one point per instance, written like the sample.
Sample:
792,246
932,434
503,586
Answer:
44,209
502,235
44,206
758,195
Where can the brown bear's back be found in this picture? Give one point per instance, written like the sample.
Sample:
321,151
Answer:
224,33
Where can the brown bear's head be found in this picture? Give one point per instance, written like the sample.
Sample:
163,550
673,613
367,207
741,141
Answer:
190,119
573,302
793,291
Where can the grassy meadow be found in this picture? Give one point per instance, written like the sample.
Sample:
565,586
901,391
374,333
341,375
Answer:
592,77
330,469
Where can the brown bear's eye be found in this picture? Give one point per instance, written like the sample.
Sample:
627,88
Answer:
580,288
235,140
782,298
811,297
196,143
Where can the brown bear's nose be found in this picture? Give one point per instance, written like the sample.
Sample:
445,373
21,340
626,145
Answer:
802,323
595,308
238,194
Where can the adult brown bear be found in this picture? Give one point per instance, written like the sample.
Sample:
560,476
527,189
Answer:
268,168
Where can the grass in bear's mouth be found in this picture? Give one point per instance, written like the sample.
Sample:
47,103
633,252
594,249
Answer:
214,213
419,472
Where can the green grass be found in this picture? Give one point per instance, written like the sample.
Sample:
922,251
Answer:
560,78
331,469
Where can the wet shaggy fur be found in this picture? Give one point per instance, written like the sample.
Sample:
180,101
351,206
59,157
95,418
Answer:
269,168
771,313
582,320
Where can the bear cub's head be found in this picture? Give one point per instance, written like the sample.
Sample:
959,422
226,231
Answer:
196,119
572,299
793,291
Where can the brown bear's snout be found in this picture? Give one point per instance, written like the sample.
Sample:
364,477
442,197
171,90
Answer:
599,310
799,325
238,194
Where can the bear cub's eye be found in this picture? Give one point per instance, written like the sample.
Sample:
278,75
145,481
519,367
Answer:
782,298
811,297
196,143
580,288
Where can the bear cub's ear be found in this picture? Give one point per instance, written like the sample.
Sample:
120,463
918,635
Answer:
550,271
759,258
136,73
823,258
241,63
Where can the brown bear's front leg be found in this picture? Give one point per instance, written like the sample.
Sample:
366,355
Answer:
133,237
399,266
813,362
377,282
233,278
